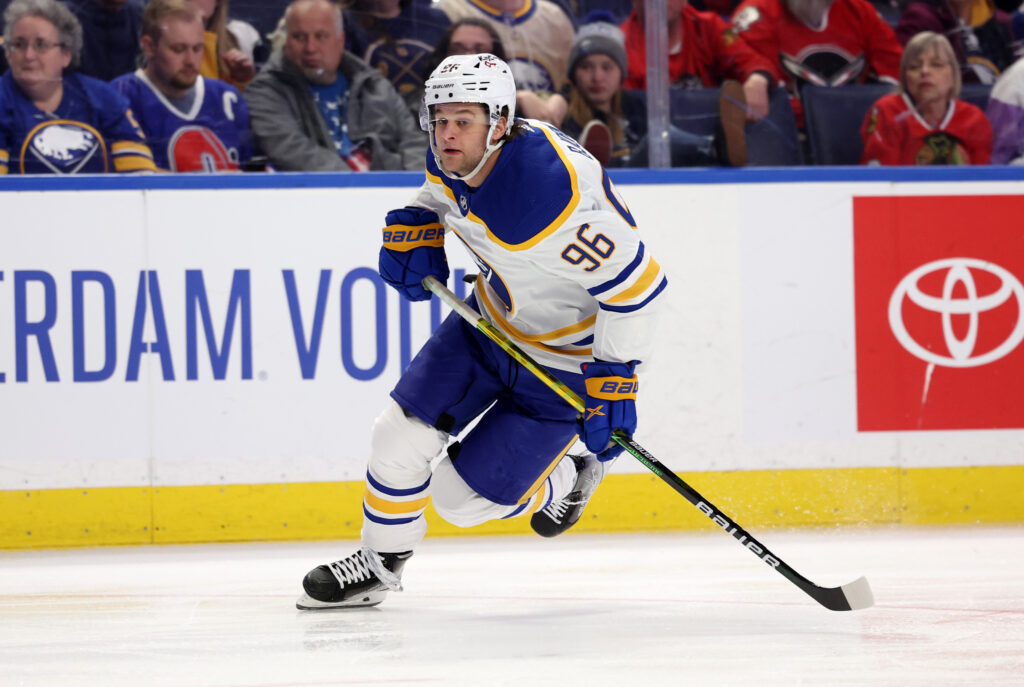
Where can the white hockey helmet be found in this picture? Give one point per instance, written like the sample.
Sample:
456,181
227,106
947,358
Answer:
481,78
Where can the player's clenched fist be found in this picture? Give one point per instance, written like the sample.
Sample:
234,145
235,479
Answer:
610,405
413,249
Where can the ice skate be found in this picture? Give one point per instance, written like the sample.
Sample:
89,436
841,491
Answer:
561,514
362,579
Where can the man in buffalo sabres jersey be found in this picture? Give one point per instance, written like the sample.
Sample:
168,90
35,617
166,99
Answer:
53,122
563,272
820,42
192,124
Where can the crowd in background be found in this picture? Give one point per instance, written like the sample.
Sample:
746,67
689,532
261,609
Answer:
197,85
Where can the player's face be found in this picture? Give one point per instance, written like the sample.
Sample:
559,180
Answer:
930,78
315,42
176,57
460,135
36,57
470,40
598,77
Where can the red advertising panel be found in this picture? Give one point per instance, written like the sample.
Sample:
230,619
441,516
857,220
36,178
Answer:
939,307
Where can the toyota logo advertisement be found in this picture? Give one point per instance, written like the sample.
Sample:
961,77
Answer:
958,277
939,313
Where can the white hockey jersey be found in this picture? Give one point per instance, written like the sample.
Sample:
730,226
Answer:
564,272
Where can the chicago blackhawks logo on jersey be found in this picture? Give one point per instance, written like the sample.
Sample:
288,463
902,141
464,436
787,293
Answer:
941,148
197,149
63,146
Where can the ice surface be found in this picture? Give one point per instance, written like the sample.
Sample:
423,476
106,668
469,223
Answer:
680,609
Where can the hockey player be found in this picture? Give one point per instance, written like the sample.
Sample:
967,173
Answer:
926,123
562,271
192,124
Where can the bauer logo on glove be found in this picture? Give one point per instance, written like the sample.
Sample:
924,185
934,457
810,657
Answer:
402,238
610,404
413,248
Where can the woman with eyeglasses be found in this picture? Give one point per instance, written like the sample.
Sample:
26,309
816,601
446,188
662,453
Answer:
926,123
53,120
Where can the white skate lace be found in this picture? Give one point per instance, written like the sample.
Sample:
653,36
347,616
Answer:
387,578
361,566
556,509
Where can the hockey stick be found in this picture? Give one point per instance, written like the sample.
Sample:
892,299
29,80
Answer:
849,597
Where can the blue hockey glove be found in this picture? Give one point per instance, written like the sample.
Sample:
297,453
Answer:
413,249
610,405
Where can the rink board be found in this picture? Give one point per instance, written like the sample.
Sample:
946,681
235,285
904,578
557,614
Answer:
756,499
200,359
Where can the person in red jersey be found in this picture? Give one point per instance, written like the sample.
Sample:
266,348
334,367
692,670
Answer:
925,124
704,51
820,42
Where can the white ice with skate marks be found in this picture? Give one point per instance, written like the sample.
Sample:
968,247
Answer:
681,609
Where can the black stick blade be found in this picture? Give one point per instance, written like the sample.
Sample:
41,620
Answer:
852,596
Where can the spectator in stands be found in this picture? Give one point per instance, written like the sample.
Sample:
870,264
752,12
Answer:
472,36
192,124
1005,113
704,52
925,124
401,35
820,42
110,36
52,120
316,107
609,121
469,36
980,34
537,36
224,58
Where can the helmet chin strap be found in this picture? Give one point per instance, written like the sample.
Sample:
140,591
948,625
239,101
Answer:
489,150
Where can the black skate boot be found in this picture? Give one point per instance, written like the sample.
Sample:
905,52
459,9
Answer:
362,579
563,513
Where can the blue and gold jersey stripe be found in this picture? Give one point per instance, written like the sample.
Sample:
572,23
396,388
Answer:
132,156
641,285
535,340
622,276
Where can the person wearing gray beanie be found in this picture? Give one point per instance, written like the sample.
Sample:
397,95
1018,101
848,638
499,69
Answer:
599,38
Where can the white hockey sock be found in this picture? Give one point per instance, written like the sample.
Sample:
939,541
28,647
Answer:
561,480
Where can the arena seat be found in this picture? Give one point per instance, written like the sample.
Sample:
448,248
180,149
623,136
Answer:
772,141
976,94
833,117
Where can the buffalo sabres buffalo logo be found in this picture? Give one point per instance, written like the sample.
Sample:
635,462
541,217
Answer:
64,147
